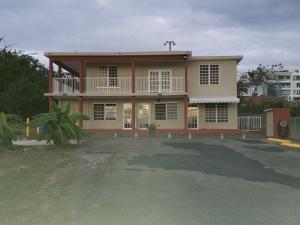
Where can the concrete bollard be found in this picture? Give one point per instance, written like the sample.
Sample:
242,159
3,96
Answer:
136,135
190,136
116,135
221,136
169,135
243,136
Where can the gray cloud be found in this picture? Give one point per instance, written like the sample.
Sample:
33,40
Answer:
264,31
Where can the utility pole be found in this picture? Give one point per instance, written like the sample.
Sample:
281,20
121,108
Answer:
170,43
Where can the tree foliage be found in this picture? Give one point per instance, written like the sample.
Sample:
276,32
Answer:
60,126
7,134
243,84
263,76
23,82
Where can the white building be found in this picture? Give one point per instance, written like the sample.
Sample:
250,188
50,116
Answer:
288,83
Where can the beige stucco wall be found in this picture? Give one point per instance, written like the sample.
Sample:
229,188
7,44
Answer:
226,86
166,124
74,104
92,69
141,70
163,124
177,68
232,119
88,109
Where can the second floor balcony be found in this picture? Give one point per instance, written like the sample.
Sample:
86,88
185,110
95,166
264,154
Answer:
119,86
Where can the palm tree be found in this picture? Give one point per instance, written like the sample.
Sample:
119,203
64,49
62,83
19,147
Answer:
60,126
7,134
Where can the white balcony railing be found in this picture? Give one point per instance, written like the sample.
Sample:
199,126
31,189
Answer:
166,85
118,85
106,85
65,85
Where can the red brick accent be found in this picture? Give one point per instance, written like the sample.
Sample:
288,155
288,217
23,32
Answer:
278,115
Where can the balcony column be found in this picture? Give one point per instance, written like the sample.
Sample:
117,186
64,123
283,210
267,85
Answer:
81,91
81,77
59,79
133,77
186,105
50,80
186,77
133,95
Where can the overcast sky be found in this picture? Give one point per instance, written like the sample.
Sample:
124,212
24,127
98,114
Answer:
264,31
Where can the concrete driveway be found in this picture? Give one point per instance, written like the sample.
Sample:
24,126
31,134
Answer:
160,181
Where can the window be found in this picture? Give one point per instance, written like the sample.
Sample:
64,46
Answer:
166,111
214,74
209,74
98,111
216,112
298,85
160,111
111,73
204,74
296,92
222,112
105,111
296,77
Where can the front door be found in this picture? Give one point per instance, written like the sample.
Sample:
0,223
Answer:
127,114
159,81
143,115
193,115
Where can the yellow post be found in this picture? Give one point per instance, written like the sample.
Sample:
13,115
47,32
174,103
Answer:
27,127
38,130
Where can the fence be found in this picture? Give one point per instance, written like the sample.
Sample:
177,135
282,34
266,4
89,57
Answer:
250,123
295,127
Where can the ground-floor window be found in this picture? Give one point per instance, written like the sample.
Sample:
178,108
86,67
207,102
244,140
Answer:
193,117
216,112
166,111
105,111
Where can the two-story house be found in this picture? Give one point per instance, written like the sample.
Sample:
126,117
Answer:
129,90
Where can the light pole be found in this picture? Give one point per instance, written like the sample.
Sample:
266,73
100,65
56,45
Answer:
170,43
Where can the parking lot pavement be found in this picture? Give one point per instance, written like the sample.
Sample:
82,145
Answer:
146,181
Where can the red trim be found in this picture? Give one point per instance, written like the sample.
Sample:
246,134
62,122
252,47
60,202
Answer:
50,104
81,77
80,110
59,76
133,77
139,58
186,76
59,71
185,106
50,75
133,113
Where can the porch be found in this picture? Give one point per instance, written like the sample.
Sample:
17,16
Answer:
105,86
